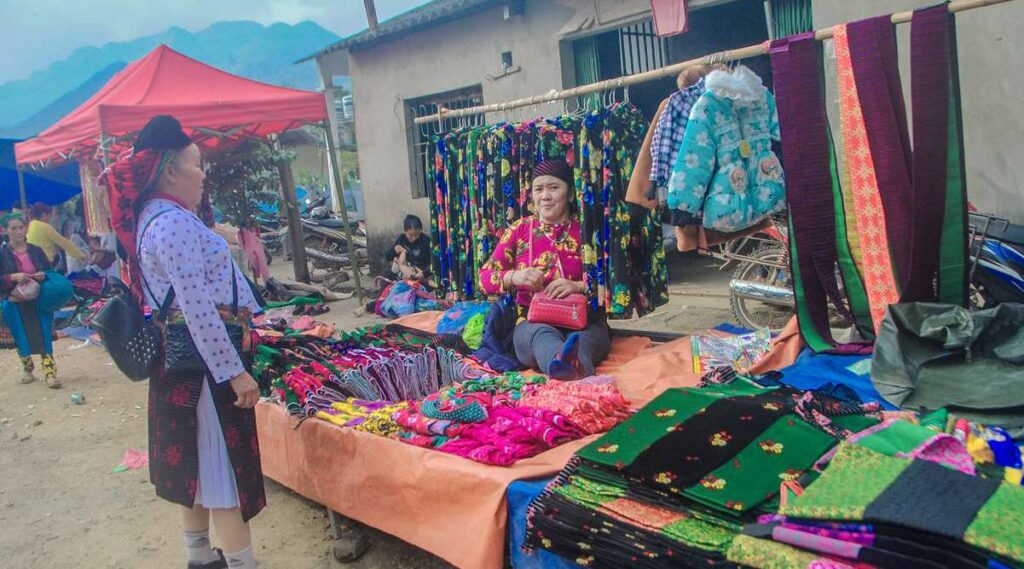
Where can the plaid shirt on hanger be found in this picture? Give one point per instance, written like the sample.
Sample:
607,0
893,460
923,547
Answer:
668,133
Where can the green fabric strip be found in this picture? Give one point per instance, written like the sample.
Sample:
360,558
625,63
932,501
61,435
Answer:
748,551
853,480
953,258
587,496
852,282
625,442
700,534
999,525
784,451
811,336
899,437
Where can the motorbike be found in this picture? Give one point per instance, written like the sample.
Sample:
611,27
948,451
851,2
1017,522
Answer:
997,260
761,287
325,241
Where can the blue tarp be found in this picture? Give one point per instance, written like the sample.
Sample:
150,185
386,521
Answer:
520,493
813,371
52,186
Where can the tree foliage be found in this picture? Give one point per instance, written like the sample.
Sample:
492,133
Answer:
241,179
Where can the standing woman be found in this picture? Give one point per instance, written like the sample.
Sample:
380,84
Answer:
204,454
542,253
30,327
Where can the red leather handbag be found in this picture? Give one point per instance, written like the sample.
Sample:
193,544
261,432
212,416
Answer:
569,312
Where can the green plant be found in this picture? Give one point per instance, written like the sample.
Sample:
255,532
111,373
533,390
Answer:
238,181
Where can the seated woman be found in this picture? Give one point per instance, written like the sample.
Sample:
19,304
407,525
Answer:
46,237
410,261
542,253
31,328
410,256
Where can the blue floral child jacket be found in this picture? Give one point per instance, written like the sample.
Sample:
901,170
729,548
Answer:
726,171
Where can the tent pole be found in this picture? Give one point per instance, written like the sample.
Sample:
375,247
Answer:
295,233
332,156
21,188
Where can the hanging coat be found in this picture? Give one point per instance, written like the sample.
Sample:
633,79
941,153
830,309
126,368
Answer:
726,171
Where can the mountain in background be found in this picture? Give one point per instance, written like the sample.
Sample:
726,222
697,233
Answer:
62,106
249,49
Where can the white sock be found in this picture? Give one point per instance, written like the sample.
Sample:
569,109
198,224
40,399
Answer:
243,559
197,547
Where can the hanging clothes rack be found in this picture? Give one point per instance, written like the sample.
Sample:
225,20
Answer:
667,71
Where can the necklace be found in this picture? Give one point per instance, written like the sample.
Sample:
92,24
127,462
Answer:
561,239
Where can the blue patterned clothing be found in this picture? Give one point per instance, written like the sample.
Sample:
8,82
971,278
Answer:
726,171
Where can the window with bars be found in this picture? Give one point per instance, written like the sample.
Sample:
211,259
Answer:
420,135
641,49
623,51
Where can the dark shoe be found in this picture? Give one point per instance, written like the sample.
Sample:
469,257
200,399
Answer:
350,546
221,563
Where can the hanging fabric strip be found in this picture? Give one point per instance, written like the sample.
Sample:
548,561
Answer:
817,222
939,189
873,54
872,232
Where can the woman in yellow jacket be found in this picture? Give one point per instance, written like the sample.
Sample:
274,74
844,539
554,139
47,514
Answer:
43,235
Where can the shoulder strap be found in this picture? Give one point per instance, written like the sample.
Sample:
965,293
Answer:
166,304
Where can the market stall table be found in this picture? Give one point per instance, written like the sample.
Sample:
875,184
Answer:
431,499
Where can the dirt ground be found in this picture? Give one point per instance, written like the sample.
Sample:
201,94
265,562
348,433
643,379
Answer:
63,506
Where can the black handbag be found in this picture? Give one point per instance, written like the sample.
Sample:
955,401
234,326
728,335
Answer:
132,341
180,352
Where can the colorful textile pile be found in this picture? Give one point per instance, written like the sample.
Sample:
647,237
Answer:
504,419
375,417
592,407
481,179
373,374
892,512
673,484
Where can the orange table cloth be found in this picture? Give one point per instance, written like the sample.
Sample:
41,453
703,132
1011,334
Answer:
448,505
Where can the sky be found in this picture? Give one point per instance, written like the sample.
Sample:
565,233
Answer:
36,33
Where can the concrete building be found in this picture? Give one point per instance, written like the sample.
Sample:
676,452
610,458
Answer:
459,53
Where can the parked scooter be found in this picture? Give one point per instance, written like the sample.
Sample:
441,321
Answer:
326,243
997,260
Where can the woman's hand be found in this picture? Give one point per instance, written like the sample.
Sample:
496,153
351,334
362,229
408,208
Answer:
399,249
246,390
18,278
532,279
40,276
562,288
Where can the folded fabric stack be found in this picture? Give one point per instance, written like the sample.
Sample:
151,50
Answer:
871,509
673,485
507,418
594,404
372,374
375,417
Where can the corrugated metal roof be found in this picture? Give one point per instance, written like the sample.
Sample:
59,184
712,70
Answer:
425,16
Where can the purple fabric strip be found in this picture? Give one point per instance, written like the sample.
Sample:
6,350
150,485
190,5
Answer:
820,544
929,83
876,73
800,100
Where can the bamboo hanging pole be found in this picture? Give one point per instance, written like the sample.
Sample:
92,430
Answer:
669,70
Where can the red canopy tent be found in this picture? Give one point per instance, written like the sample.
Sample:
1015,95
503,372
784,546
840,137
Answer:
214,106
